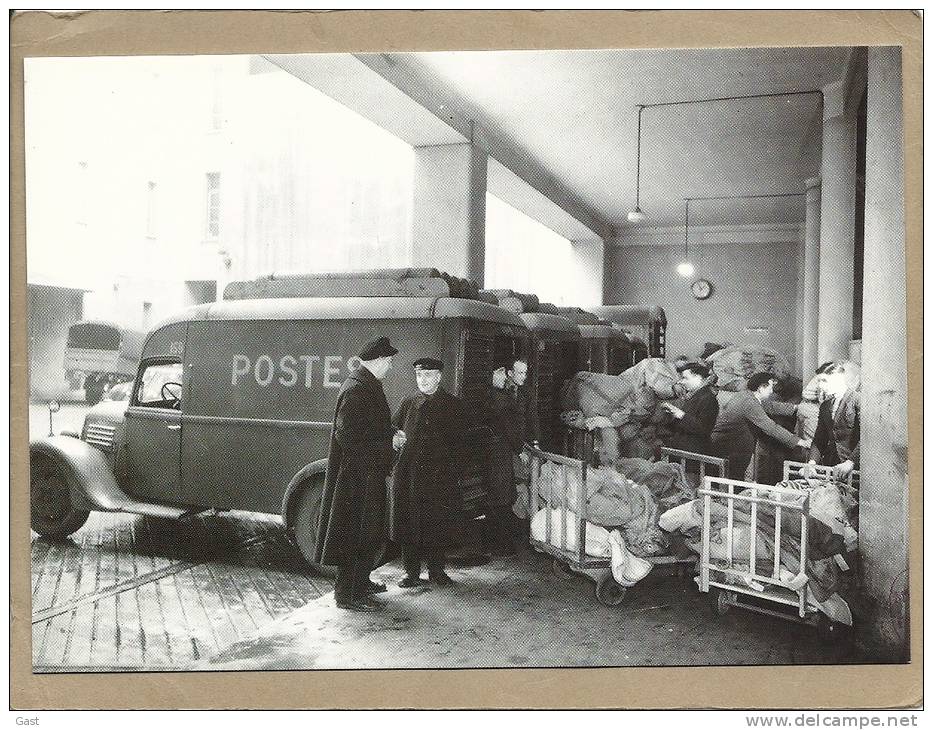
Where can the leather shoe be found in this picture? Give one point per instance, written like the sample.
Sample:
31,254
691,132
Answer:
442,579
370,601
359,606
374,587
410,582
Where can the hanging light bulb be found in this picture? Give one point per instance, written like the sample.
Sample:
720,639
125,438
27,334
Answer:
685,268
638,215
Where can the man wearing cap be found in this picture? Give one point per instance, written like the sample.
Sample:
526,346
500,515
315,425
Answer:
426,502
351,527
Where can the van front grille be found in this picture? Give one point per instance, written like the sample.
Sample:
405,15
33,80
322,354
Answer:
99,435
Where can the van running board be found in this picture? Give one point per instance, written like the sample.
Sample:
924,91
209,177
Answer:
106,495
149,510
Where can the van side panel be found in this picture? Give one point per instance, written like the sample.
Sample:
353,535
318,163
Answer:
261,396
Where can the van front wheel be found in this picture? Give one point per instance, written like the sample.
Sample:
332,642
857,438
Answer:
303,520
52,513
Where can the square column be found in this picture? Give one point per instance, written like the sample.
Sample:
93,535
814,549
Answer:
449,210
883,499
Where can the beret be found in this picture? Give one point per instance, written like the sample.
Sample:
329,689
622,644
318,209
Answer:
377,348
428,363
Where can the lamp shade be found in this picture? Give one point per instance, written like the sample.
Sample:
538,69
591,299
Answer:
636,216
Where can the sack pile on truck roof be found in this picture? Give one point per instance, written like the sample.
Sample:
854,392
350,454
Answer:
420,282
580,316
514,301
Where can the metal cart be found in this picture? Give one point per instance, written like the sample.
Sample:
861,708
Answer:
575,559
747,580
681,558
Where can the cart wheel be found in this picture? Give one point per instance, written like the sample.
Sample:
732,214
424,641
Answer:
561,570
831,633
720,601
610,593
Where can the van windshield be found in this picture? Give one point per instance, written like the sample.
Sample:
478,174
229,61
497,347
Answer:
161,386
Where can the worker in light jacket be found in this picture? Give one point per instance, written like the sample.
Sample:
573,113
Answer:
743,419
836,441
692,425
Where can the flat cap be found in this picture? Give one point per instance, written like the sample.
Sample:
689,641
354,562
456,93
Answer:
428,363
377,348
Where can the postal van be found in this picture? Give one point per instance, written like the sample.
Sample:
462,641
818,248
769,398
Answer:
232,407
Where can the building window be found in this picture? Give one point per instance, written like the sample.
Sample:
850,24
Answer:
151,209
525,255
213,206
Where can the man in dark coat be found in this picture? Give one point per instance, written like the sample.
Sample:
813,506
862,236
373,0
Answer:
743,419
427,503
525,409
352,524
691,425
507,440
836,441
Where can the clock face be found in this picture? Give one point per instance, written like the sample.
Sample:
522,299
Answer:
701,288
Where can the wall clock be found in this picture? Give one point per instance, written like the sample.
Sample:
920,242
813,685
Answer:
701,289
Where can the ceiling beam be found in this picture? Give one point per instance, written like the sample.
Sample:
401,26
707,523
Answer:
454,113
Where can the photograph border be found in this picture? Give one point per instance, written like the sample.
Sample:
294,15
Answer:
183,32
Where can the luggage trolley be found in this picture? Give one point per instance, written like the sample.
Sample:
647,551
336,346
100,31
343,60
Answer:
765,586
564,553
682,558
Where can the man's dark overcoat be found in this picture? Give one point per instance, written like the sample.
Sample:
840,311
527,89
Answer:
426,504
692,432
506,423
837,436
360,458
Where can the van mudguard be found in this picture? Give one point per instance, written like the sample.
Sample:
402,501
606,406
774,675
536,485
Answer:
91,482
312,469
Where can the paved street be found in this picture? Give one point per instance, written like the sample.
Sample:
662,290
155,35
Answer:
129,592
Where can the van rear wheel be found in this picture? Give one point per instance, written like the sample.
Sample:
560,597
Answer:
303,523
304,518
52,513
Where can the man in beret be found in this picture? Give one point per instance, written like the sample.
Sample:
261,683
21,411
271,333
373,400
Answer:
427,503
351,528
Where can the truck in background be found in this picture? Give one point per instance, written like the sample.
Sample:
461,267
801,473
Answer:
100,354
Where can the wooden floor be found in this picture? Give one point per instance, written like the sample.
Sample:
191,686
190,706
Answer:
128,592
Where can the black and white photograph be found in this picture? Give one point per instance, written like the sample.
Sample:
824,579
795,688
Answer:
467,359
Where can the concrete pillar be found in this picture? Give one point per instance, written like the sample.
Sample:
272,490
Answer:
837,237
883,499
449,210
589,266
810,317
